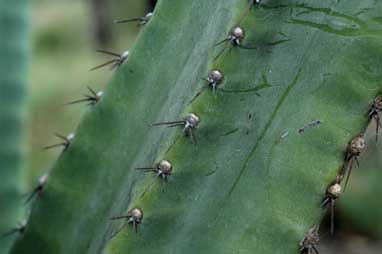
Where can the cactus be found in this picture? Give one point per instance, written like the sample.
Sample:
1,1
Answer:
13,59
269,135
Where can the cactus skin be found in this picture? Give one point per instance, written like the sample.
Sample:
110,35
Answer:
13,70
241,188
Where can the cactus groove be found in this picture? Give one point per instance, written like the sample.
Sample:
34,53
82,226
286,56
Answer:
245,186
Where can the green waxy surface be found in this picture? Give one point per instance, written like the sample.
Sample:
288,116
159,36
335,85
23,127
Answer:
13,64
252,183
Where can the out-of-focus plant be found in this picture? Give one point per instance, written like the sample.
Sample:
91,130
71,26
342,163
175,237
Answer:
14,45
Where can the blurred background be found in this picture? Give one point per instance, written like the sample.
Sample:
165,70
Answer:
65,35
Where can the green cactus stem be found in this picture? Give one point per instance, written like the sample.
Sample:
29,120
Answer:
251,183
13,70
